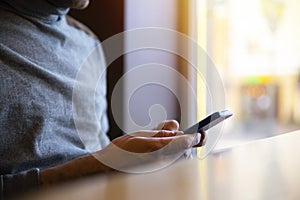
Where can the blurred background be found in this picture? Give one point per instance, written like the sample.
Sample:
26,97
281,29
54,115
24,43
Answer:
254,45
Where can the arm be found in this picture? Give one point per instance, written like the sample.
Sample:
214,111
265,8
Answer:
135,145
123,153
80,167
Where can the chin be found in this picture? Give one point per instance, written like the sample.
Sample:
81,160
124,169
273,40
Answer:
78,4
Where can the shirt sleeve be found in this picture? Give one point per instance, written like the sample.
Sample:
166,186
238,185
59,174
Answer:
16,184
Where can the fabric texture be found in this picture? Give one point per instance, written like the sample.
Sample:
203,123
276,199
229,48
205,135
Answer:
40,57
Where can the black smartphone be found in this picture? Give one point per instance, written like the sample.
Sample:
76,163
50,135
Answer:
208,122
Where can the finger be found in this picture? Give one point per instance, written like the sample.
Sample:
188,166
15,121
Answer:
174,144
154,133
203,138
169,145
171,125
202,141
167,133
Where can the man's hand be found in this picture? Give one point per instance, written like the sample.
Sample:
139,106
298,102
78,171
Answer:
150,141
160,146
143,148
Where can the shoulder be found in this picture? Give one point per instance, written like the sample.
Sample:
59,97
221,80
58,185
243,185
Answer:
76,24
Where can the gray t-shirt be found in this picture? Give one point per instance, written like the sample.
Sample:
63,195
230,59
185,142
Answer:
41,55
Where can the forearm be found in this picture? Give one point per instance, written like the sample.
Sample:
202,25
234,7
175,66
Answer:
78,168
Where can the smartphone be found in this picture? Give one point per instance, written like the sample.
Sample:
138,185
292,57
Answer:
208,122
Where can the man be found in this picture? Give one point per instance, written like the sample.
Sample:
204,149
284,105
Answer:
41,52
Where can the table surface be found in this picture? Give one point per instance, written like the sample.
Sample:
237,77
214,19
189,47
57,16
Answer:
263,169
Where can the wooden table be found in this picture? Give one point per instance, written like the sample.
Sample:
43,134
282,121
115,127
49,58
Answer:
264,169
